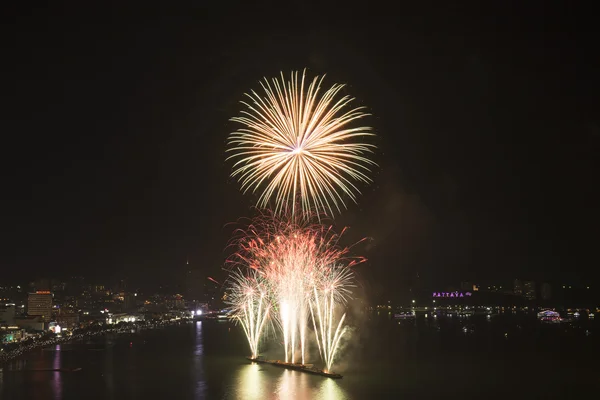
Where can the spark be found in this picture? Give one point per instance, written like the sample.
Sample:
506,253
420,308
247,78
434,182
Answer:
250,305
308,277
298,148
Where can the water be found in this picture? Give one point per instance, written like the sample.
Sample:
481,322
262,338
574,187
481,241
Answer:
504,356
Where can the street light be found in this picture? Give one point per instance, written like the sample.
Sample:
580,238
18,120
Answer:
413,302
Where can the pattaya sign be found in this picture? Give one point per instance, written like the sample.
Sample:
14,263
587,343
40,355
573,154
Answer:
451,294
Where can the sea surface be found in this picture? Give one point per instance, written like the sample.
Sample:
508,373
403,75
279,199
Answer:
502,356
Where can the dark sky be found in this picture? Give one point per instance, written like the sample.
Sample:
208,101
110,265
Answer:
114,134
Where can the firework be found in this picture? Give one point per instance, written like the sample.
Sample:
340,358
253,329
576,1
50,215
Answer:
328,292
308,276
298,148
251,305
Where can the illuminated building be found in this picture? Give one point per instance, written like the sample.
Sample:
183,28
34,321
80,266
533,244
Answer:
68,318
175,302
529,290
549,316
518,287
12,334
40,304
123,317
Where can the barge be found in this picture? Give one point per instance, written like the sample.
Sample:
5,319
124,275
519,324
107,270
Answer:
296,367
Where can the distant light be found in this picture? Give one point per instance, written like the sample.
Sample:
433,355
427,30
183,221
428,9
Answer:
413,301
198,312
193,312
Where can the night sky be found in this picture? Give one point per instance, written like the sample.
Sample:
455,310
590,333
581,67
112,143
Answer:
488,130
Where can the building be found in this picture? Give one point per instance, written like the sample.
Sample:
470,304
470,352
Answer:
175,302
12,334
518,287
31,323
123,317
40,304
68,318
7,314
529,290
546,291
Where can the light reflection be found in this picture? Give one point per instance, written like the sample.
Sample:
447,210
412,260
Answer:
293,385
57,375
198,363
251,382
109,376
330,389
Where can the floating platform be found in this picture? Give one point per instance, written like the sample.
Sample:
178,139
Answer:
296,367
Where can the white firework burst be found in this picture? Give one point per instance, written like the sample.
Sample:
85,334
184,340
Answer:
297,146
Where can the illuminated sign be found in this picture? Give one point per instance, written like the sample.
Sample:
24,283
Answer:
451,294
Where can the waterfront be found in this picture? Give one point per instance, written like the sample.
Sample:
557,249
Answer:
503,356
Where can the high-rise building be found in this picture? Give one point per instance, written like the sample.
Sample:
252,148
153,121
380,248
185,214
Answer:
529,290
68,318
40,304
7,314
546,291
175,302
518,287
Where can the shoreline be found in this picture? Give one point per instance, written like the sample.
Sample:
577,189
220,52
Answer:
32,344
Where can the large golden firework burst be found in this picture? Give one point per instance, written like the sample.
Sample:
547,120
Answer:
298,148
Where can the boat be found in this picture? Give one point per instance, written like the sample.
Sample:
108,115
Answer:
405,315
308,368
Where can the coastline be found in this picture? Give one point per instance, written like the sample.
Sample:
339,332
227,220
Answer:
32,344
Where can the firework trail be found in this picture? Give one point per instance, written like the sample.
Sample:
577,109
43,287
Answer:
329,291
308,275
296,142
251,305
